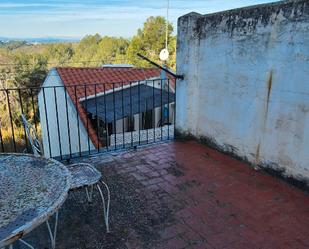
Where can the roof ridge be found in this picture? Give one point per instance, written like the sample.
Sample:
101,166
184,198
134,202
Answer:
108,68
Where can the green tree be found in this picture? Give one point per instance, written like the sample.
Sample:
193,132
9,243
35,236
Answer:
29,70
150,40
59,53
26,70
112,50
86,50
94,50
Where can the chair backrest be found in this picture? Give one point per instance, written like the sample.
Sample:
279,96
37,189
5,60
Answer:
32,137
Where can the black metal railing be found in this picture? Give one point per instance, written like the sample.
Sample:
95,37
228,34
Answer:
83,119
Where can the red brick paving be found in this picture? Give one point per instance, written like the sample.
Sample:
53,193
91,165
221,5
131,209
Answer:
216,201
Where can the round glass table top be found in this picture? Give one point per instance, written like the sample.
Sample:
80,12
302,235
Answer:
32,189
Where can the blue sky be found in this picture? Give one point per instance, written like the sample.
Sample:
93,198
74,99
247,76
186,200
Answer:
76,18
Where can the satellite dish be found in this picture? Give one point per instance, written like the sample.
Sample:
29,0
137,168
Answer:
164,54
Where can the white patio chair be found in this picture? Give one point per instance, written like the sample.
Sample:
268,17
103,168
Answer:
84,175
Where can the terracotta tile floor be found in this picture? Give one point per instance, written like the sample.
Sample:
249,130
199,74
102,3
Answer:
186,195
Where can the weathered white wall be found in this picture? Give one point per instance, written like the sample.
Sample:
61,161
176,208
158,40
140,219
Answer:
246,85
53,79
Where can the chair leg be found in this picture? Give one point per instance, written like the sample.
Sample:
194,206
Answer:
26,244
105,208
53,235
22,241
89,195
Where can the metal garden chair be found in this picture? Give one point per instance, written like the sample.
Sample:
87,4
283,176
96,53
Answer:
84,175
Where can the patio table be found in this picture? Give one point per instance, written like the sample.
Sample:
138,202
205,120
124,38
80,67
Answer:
32,189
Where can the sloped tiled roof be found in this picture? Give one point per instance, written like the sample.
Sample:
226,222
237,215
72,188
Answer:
81,82
71,76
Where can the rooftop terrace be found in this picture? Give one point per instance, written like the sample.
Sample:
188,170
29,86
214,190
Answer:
244,91
183,195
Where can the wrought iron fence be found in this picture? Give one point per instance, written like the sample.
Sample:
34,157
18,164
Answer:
83,119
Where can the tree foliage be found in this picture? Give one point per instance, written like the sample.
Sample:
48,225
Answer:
29,70
94,50
59,53
150,40
26,70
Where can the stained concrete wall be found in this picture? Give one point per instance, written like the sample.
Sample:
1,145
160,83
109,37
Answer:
246,85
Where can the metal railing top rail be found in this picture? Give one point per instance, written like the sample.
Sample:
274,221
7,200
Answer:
86,84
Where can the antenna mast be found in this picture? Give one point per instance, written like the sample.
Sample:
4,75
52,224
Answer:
164,52
166,31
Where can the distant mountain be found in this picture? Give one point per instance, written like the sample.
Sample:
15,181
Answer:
40,40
